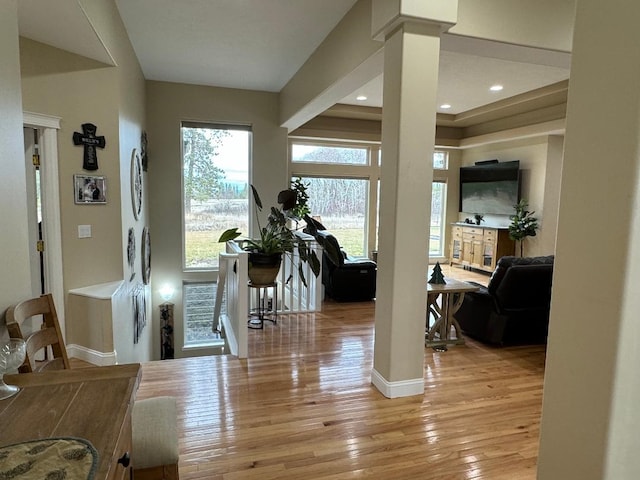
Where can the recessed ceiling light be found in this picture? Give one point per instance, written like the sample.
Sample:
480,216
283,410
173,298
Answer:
496,88
361,98
445,106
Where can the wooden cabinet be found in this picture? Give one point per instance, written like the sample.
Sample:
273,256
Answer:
479,247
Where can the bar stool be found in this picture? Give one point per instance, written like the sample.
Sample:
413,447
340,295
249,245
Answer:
265,308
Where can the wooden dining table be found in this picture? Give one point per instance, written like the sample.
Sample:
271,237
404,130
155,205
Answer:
92,404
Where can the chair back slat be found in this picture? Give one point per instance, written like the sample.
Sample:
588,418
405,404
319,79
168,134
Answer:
50,335
54,364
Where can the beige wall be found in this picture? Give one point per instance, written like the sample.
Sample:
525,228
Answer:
542,24
590,421
80,90
167,105
533,156
15,282
344,61
349,58
553,176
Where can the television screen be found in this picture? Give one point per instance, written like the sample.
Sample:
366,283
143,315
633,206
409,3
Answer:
491,188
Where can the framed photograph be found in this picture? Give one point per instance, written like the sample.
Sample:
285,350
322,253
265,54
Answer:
89,189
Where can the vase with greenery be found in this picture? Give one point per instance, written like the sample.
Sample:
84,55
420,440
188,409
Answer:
523,224
276,239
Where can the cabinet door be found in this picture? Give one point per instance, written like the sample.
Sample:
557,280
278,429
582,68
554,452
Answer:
456,250
472,247
455,254
476,254
489,250
467,250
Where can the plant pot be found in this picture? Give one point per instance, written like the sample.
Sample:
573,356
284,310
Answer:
264,268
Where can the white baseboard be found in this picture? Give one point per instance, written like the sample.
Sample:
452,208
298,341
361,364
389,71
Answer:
94,357
404,388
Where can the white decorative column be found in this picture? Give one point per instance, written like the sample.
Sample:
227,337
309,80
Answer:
411,31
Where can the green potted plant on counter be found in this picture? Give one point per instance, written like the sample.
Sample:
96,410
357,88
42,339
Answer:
275,240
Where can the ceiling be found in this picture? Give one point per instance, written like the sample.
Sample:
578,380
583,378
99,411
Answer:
260,44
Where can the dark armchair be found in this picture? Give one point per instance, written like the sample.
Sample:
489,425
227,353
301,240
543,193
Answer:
514,307
350,279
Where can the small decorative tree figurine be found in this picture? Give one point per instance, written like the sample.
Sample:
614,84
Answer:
523,224
437,277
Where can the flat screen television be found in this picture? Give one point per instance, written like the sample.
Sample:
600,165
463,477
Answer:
490,187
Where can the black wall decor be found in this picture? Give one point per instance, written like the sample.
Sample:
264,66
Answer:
90,142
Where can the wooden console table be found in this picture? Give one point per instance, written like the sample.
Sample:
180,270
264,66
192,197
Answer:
89,403
479,247
443,301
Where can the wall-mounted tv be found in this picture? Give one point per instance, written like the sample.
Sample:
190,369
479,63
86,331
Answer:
490,187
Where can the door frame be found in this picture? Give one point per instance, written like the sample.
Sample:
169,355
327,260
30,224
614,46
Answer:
47,127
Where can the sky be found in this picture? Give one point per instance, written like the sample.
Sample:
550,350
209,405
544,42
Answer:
233,156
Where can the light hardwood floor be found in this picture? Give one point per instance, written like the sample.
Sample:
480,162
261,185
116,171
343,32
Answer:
303,407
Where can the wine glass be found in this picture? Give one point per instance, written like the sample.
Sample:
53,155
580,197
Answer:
12,355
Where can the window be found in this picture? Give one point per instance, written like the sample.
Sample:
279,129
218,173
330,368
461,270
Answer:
440,160
342,205
199,300
438,206
343,188
329,154
215,163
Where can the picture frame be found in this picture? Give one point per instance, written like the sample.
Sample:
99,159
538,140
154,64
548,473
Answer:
136,184
89,189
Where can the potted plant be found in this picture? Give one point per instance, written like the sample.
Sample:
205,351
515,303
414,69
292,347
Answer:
523,224
276,240
301,207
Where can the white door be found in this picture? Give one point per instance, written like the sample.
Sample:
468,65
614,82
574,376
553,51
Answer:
43,197
34,209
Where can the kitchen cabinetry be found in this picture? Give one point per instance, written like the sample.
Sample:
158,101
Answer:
479,247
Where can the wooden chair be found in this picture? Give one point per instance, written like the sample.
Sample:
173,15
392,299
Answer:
49,335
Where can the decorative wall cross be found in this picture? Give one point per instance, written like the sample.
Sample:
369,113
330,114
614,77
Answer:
90,141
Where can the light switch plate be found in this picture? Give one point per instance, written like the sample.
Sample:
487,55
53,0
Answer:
84,231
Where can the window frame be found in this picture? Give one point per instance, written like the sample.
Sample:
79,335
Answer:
216,126
369,172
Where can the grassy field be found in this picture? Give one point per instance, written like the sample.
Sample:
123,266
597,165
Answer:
204,229
203,245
